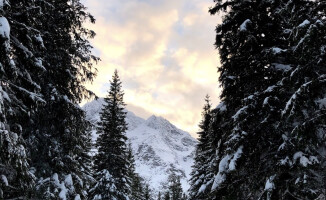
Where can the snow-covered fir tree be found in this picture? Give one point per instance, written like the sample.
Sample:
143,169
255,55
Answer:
111,162
20,69
269,140
200,167
59,135
247,45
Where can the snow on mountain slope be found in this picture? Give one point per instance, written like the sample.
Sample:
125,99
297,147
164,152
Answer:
159,147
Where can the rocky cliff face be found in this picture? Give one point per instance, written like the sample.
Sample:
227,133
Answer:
160,148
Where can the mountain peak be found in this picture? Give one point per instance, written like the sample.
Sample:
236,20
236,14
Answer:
156,119
159,147
159,123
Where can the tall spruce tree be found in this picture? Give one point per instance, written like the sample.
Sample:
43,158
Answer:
59,135
111,163
200,167
21,67
268,143
39,98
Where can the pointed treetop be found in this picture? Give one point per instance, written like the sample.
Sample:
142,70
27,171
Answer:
208,105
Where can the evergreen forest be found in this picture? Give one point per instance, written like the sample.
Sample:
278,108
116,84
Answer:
265,140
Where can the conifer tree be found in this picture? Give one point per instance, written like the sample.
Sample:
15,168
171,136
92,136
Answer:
147,192
175,188
167,195
159,196
247,45
302,124
201,163
245,137
59,134
268,141
111,163
45,59
184,196
20,68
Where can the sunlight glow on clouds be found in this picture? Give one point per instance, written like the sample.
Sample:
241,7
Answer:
164,53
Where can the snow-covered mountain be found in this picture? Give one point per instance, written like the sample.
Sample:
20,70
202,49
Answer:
160,148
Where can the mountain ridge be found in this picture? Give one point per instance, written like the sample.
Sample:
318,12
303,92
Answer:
159,147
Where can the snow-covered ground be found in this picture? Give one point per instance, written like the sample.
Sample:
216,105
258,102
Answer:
160,148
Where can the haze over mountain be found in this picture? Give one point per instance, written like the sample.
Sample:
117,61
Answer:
159,147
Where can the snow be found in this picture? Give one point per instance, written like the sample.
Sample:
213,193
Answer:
39,63
319,22
243,26
33,96
77,197
5,95
282,67
231,77
294,97
65,97
297,155
236,156
304,161
62,186
221,107
277,50
321,103
226,165
269,185
39,39
1,4
202,188
313,159
4,180
68,181
4,28
266,101
21,151
288,104
218,180
240,111
304,23
63,193
285,161
270,89
250,97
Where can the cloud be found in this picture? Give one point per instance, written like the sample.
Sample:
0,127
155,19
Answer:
164,53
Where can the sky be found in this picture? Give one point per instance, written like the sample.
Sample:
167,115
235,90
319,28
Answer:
164,53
